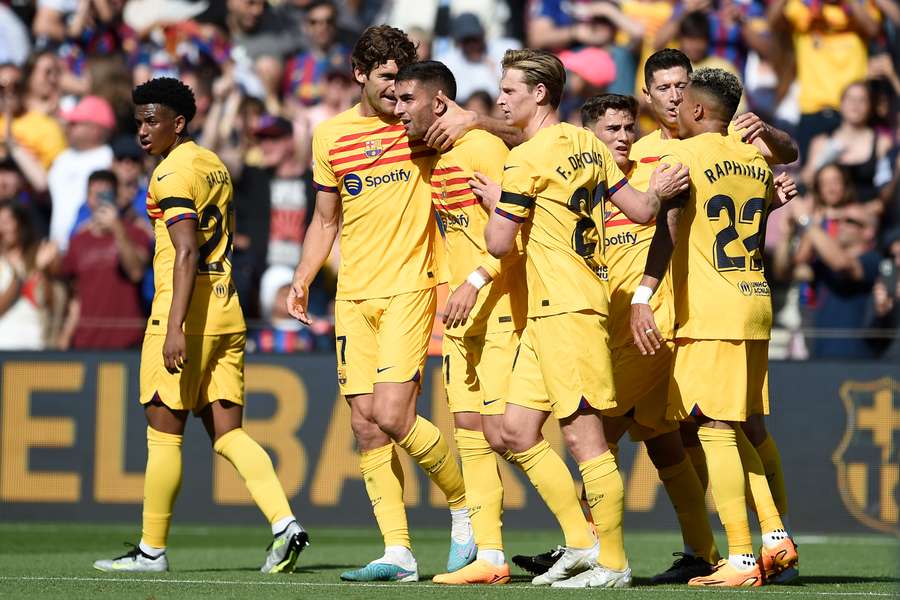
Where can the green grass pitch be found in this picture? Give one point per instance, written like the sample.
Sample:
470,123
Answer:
47,561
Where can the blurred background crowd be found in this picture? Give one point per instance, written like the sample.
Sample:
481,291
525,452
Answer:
76,244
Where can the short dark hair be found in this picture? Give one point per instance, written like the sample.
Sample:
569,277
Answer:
167,91
596,106
695,24
379,44
103,176
431,72
667,58
319,3
720,85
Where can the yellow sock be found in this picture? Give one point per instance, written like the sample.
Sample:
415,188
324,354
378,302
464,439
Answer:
689,501
255,467
551,478
606,499
726,477
428,447
698,460
162,480
771,461
484,490
383,476
766,511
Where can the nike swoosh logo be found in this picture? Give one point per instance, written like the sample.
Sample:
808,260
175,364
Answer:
486,402
161,177
508,167
382,369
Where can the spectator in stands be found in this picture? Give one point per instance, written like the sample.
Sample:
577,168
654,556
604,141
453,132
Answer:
88,127
304,73
855,145
886,299
37,132
255,31
339,93
422,40
280,332
105,264
481,102
273,206
845,267
734,28
12,184
131,188
474,62
43,74
830,39
25,297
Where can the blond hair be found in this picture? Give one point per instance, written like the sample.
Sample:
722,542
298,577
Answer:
538,66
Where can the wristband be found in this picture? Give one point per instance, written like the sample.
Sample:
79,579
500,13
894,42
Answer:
642,295
477,280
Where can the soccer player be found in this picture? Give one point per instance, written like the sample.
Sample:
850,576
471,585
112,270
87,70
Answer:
193,353
372,185
666,74
485,312
555,187
717,237
642,381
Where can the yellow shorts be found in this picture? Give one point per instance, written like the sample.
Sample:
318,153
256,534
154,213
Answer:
383,340
642,385
724,380
563,364
476,371
214,371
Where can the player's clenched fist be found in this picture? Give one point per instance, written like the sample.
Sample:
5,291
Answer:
297,301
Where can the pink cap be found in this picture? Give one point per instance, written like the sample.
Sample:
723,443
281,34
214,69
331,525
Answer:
594,65
92,109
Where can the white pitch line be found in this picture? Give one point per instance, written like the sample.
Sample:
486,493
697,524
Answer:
519,587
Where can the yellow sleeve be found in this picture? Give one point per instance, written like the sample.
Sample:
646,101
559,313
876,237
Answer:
797,14
174,195
489,158
519,187
323,175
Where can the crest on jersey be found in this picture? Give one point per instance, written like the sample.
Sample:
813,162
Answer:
373,148
868,473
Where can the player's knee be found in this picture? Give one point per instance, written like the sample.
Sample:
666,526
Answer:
394,422
495,440
515,438
363,428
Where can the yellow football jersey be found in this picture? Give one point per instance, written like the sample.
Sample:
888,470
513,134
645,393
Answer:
720,288
389,229
557,184
627,244
502,303
192,183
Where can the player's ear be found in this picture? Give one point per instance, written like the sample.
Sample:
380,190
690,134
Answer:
438,104
540,93
359,76
699,111
180,124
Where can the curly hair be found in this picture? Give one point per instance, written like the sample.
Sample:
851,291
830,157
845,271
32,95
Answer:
167,91
596,107
379,44
721,86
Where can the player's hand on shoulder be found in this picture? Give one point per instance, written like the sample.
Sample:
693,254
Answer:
785,189
297,301
450,126
670,180
175,350
750,126
644,330
486,190
459,305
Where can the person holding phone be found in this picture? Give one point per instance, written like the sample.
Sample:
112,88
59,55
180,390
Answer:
104,266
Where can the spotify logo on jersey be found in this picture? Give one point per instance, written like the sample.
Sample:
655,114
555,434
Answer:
353,184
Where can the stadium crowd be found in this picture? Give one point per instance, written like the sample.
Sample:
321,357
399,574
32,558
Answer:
75,240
